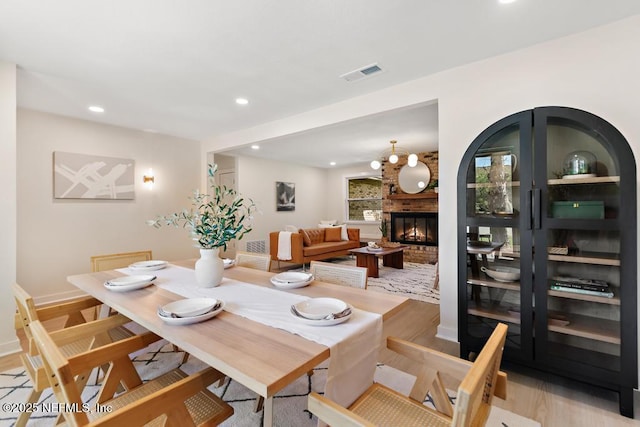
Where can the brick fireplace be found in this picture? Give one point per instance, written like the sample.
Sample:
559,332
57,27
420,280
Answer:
424,203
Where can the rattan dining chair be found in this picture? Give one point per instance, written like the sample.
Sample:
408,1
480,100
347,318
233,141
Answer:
172,399
346,275
253,260
382,406
28,312
119,260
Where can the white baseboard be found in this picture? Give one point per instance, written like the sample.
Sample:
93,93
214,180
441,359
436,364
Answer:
10,347
449,334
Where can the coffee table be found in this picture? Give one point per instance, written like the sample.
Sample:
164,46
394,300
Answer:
365,257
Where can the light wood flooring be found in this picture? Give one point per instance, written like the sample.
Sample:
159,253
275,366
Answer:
550,400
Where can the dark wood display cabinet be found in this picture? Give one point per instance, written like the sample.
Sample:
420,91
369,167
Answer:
547,244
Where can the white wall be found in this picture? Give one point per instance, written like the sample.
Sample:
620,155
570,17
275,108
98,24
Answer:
8,341
595,71
56,238
256,179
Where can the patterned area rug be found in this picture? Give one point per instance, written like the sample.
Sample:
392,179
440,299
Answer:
414,281
290,404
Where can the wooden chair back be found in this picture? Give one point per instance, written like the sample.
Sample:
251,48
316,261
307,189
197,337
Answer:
345,275
27,312
177,398
382,406
120,260
475,393
253,260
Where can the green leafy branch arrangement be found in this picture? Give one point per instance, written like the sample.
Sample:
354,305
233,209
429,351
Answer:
213,221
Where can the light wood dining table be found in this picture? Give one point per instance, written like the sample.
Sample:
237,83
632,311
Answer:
262,358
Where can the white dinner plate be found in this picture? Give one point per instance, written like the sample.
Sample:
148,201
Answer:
190,307
317,308
228,263
326,322
291,280
129,283
179,321
150,265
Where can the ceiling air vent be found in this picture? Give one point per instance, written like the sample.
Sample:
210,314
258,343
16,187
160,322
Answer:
361,73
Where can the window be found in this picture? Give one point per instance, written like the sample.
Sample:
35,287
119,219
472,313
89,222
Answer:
364,199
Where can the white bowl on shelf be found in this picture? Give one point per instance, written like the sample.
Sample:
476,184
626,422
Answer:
502,274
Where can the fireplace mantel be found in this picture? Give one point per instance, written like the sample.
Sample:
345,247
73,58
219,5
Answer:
406,196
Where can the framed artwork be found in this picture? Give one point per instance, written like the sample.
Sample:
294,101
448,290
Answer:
84,176
285,196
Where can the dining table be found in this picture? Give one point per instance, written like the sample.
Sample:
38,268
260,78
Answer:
261,357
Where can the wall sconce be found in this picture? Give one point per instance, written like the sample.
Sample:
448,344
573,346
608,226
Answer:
148,178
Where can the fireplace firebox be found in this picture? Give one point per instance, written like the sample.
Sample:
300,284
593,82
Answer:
415,228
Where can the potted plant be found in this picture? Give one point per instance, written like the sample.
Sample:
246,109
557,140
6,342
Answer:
383,230
433,185
213,220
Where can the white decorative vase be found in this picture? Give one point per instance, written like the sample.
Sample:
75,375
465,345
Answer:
209,268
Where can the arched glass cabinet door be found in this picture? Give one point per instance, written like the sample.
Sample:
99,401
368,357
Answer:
551,193
586,193
494,255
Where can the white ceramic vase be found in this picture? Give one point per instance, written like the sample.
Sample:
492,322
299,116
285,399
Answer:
209,268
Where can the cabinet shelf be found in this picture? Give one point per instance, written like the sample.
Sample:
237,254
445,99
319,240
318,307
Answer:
500,315
582,297
592,180
595,258
594,328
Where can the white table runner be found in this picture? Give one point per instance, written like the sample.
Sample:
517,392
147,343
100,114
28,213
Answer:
354,344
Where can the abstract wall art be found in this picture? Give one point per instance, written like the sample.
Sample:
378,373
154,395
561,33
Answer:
85,176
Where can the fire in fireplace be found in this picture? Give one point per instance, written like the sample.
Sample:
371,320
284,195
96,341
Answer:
415,228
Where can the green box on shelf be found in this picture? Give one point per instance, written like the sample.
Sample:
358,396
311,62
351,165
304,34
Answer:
578,209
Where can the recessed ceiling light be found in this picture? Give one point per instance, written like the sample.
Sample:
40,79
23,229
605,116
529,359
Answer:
255,147
332,163
96,109
242,101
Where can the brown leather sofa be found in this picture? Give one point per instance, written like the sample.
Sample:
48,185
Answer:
316,246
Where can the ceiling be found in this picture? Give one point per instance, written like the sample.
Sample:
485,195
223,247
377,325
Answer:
177,67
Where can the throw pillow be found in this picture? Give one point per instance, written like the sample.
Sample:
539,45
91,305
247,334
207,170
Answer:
328,221
291,228
306,240
332,234
343,232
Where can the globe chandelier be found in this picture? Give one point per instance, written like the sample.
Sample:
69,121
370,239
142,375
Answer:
392,156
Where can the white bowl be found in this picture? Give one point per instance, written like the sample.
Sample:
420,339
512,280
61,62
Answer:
190,307
318,308
502,274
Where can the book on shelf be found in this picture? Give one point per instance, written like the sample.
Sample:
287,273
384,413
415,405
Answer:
577,283
605,294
